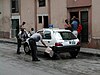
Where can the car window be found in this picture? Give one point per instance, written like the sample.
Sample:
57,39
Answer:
57,36
41,32
47,35
67,35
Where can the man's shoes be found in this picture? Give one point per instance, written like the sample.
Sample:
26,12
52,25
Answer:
35,60
18,52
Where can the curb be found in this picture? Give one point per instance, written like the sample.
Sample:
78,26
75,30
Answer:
89,53
4,41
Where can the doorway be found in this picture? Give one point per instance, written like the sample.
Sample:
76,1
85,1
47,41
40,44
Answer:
84,22
45,18
15,28
74,14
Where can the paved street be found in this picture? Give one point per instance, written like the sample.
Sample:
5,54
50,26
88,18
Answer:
13,64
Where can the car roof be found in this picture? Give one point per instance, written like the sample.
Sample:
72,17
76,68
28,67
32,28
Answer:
54,29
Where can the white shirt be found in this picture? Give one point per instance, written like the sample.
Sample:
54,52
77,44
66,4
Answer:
36,36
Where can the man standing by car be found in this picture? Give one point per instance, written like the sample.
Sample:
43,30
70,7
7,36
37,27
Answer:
21,36
36,37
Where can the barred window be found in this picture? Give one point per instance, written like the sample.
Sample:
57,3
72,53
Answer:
14,6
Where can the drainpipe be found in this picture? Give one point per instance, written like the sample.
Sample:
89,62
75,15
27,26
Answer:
49,11
35,10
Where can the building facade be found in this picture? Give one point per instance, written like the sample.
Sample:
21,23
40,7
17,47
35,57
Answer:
36,13
40,13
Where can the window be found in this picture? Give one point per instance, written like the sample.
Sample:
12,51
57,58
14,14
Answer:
47,35
67,35
14,6
40,19
41,3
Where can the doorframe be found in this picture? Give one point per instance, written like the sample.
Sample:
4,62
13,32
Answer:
79,16
13,17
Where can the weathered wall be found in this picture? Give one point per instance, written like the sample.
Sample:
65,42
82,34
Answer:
28,13
5,18
96,19
58,13
78,3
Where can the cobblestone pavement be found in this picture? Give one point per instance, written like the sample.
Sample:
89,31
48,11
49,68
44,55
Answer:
82,50
84,64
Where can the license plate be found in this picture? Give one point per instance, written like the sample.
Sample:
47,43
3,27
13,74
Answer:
73,42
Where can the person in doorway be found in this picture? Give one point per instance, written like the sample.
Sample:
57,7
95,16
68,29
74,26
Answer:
36,37
74,24
79,29
67,25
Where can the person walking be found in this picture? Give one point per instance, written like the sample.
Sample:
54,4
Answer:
36,37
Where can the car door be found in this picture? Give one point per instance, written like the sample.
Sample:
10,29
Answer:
46,36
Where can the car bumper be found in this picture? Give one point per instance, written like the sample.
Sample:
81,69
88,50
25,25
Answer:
63,49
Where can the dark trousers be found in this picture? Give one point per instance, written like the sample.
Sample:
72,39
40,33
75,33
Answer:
33,47
18,45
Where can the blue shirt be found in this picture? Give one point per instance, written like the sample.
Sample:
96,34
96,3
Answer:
74,25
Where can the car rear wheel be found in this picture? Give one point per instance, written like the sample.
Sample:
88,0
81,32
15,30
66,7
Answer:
27,49
74,53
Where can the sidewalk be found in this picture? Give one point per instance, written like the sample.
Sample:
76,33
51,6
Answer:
14,41
82,50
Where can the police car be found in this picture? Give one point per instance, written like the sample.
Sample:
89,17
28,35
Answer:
60,40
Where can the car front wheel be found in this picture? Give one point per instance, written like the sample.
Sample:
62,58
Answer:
27,49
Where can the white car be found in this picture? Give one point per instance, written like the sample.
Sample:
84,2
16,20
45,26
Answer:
60,40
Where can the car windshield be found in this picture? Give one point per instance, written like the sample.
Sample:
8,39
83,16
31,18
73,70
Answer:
67,35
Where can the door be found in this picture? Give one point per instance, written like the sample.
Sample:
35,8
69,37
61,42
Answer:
84,22
45,21
15,28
